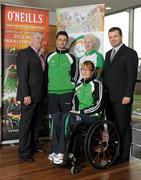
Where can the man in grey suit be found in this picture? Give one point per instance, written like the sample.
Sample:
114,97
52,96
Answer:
31,72
120,74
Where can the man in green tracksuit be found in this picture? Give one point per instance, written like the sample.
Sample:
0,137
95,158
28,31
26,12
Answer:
62,75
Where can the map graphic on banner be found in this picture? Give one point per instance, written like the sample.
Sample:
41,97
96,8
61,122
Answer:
18,24
80,21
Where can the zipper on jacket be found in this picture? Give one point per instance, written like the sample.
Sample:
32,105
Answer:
59,59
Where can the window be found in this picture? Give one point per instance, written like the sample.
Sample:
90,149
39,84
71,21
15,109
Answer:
136,45
122,20
137,31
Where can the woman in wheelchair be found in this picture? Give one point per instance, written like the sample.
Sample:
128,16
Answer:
86,103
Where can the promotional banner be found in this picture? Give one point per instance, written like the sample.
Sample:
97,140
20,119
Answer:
79,21
18,24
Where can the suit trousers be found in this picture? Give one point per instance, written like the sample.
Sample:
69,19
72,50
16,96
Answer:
60,102
120,116
62,125
31,116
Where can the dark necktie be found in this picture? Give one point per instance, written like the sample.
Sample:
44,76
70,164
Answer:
112,54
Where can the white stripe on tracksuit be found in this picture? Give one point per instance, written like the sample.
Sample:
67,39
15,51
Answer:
93,109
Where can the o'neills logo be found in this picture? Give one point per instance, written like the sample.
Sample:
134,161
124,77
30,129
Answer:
25,17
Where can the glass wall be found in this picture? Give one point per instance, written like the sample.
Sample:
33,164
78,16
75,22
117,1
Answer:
137,47
137,31
122,20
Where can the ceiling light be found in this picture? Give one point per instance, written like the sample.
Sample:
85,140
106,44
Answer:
108,8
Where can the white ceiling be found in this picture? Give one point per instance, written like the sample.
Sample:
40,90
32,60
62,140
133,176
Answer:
116,5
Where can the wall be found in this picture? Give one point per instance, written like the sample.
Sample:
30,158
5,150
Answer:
52,30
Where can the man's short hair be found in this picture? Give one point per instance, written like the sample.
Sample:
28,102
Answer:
116,29
63,33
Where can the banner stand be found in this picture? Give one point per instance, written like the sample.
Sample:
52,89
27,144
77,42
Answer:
17,25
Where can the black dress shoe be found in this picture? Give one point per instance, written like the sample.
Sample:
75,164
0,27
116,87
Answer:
27,159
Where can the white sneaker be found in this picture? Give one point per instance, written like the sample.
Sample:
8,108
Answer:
58,159
52,156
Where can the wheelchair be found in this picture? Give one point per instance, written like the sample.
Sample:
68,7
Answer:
99,142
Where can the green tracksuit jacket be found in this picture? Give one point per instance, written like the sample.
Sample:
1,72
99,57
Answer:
62,72
88,97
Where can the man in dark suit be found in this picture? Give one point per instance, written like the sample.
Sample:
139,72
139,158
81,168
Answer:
120,74
31,72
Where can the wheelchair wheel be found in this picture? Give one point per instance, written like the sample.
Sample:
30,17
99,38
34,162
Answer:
102,144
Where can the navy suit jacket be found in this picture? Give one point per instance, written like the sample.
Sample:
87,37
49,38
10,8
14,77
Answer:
120,74
31,77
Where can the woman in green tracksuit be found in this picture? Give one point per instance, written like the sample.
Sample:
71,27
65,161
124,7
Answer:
86,103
